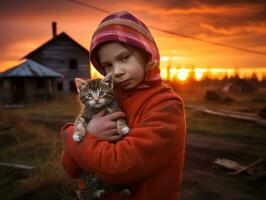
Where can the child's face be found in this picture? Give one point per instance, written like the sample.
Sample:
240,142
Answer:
127,66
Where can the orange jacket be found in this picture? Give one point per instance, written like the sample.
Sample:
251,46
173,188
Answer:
149,159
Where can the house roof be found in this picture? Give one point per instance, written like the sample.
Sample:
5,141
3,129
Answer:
30,68
62,35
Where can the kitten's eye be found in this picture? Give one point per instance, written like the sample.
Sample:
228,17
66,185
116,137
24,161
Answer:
101,93
89,96
107,66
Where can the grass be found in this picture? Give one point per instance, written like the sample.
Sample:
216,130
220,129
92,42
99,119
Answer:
66,107
250,102
247,103
33,145
200,122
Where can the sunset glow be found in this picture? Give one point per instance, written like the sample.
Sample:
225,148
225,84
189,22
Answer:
183,54
183,74
199,73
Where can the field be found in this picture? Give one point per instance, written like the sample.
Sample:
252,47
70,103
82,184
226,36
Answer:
29,136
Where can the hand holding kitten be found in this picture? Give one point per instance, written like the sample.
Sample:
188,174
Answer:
104,126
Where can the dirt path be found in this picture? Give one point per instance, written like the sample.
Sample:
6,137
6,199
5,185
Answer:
202,180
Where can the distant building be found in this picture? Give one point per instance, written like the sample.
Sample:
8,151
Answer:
28,82
239,86
65,56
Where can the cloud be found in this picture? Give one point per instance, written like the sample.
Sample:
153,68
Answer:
253,28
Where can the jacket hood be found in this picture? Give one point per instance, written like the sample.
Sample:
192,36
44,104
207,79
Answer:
125,28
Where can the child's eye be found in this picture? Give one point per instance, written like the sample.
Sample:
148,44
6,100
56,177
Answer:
124,58
107,66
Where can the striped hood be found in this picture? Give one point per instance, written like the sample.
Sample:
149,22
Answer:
126,28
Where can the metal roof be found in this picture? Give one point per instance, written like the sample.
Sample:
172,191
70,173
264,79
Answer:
30,68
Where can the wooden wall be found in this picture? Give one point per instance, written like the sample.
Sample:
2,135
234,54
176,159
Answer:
34,89
57,57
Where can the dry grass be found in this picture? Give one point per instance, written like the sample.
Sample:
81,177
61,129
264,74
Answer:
195,95
199,122
34,145
66,107
225,127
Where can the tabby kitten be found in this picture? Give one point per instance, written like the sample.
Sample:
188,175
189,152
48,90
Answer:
95,95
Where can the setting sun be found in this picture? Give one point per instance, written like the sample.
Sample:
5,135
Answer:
183,74
199,72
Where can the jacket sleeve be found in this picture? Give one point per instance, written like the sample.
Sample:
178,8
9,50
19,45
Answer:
147,148
69,164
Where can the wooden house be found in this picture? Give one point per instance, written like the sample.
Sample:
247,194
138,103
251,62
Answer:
28,82
65,56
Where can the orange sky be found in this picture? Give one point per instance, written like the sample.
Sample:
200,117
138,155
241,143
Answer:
26,24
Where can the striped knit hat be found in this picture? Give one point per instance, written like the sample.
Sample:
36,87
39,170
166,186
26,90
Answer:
125,28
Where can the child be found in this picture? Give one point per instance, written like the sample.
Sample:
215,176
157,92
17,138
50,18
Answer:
149,160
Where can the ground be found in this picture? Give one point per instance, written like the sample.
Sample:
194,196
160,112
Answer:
203,180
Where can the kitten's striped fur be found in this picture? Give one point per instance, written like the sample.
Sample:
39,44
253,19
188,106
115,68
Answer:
95,95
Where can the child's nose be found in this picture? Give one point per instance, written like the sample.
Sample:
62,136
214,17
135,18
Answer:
118,70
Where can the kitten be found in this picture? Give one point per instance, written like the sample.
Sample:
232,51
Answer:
95,188
95,95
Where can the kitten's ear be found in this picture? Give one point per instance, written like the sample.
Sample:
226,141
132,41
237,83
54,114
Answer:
108,80
80,84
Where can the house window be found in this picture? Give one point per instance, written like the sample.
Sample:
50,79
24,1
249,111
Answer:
40,84
60,86
73,64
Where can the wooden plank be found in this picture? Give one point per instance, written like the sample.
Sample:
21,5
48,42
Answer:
17,166
229,114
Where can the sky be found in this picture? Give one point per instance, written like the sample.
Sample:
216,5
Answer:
26,24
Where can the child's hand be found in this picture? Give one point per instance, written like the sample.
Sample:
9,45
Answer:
104,126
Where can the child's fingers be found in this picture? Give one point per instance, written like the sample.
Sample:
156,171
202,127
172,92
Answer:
111,132
108,133
114,138
112,125
100,114
115,115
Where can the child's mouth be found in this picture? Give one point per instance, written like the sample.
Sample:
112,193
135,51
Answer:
124,83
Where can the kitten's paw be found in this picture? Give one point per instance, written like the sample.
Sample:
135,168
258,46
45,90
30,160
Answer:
125,193
77,138
125,130
99,193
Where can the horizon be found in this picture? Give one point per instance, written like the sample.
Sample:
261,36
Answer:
183,74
